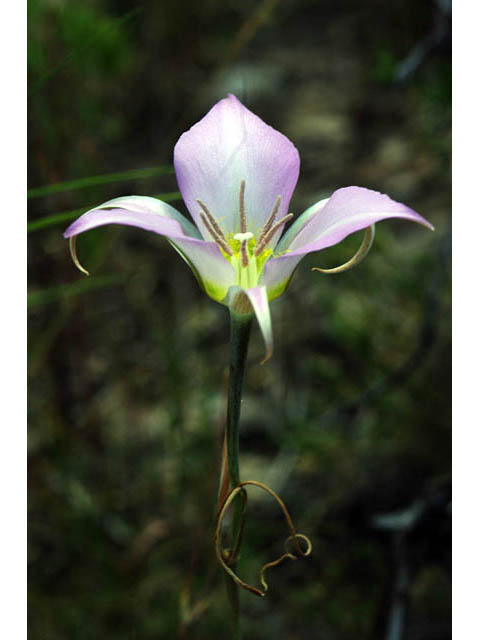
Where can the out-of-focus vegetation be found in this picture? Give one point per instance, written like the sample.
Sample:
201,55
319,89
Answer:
350,421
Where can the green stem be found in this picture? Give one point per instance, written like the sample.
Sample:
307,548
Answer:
239,336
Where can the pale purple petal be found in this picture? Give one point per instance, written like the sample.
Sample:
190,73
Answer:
137,211
298,224
228,145
348,210
144,220
278,272
213,271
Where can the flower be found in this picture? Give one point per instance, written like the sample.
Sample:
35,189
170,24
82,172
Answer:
237,175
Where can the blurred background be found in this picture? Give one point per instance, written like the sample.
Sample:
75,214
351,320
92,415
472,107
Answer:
350,420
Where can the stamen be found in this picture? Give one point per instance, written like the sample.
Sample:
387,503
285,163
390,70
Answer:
214,224
72,242
268,236
361,253
219,239
270,221
243,214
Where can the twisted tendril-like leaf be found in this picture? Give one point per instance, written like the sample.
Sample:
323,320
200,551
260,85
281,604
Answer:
226,557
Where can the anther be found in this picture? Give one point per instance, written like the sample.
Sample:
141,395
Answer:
214,224
270,221
218,237
243,213
268,236
214,228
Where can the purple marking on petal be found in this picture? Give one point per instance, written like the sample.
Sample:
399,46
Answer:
228,145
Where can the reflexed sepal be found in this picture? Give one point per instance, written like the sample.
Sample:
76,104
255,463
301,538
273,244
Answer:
246,302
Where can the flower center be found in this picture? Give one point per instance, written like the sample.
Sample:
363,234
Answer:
245,252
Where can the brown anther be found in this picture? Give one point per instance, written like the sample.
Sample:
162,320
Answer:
214,228
218,237
243,213
268,236
214,224
271,219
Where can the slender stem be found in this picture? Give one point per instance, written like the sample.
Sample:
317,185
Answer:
239,336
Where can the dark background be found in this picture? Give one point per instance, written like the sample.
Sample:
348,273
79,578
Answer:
350,420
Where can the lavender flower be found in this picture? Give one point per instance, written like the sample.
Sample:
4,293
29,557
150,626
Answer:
237,175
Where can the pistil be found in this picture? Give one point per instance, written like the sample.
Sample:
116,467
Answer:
243,238
243,251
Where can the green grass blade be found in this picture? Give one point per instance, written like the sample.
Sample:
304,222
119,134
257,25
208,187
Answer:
44,296
66,216
108,178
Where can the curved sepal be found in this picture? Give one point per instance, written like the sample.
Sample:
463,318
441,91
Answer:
254,301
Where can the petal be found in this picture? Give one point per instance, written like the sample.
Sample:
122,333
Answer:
295,228
327,223
278,272
228,145
258,302
138,211
348,210
214,273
